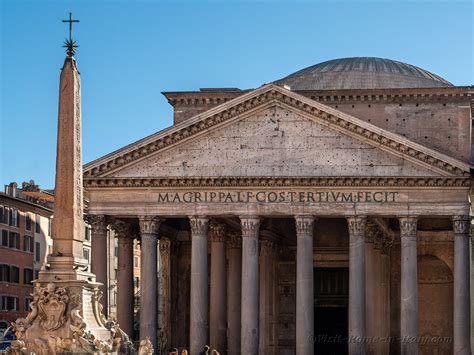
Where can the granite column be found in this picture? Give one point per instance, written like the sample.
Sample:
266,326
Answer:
124,277
409,286
199,285
250,282
357,324
149,228
304,286
234,293
462,330
218,311
100,256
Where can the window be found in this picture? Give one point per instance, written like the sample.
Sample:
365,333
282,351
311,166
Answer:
4,303
14,240
37,252
38,225
28,222
14,217
4,238
85,254
4,212
9,303
28,244
15,274
136,261
36,274
27,304
5,272
27,276
88,233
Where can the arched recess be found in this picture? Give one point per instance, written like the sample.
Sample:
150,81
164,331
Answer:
435,288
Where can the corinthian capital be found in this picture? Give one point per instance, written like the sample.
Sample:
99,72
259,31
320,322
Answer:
461,224
234,240
304,225
268,248
98,223
149,224
408,226
250,226
217,232
121,229
356,225
198,226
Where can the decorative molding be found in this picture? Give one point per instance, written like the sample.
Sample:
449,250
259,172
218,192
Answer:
234,240
356,225
256,181
199,226
461,225
217,232
149,224
268,94
408,226
304,225
98,223
250,226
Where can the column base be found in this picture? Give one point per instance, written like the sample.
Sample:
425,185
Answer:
66,317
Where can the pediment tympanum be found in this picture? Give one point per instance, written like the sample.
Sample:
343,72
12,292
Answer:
274,132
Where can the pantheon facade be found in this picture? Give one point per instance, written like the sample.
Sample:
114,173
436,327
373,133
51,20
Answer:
326,212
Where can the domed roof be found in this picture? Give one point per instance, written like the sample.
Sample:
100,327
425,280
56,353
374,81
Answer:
362,73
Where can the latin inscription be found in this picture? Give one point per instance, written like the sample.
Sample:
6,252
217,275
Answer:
278,197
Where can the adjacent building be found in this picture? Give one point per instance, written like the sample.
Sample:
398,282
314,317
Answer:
25,227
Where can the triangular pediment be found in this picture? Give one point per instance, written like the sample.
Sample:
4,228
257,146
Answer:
274,132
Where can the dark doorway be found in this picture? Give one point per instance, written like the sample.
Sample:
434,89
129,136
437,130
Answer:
331,295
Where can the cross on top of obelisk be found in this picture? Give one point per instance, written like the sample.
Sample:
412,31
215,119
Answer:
69,44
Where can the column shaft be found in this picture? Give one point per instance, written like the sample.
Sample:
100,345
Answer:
199,285
149,227
462,330
409,287
164,287
250,283
267,298
304,286
99,257
234,294
370,291
218,311
125,312
357,323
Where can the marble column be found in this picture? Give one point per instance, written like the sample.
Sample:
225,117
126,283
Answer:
164,300
462,330
357,324
409,286
304,286
267,297
218,311
149,227
199,285
250,282
99,256
124,276
234,292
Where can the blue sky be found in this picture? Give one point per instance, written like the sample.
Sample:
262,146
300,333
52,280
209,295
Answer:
131,51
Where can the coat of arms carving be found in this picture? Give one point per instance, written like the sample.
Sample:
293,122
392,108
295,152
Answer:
52,306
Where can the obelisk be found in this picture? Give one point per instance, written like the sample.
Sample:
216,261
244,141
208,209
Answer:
65,312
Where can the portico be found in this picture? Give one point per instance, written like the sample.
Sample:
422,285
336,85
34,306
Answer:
261,190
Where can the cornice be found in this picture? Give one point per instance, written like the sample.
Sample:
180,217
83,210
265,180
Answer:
338,181
272,94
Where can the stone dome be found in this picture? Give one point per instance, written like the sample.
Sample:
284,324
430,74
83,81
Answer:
362,73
